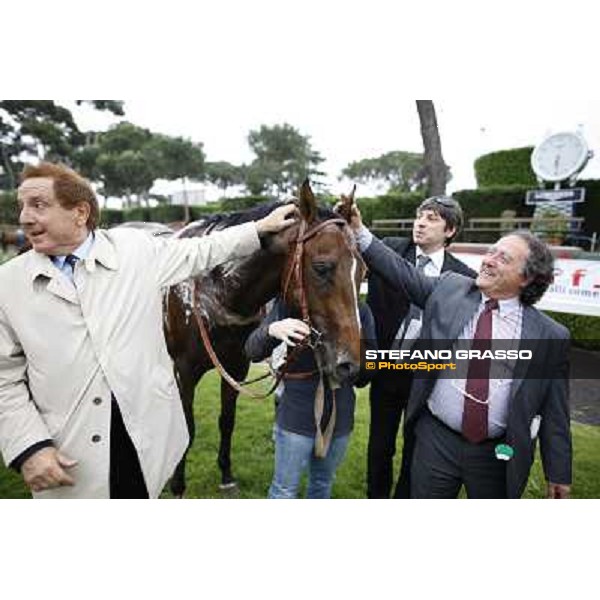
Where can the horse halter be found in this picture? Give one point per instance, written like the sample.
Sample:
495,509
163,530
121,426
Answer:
294,272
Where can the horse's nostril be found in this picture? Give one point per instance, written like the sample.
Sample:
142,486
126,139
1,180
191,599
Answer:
346,371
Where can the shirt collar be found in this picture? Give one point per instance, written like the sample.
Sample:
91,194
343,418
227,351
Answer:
437,257
81,252
99,249
506,306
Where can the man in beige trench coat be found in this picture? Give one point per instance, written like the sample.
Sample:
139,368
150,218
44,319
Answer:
89,407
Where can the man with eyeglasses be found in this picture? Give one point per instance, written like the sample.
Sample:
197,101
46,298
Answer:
480,432
438,221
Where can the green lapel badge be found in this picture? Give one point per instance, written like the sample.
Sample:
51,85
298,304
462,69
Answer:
504,452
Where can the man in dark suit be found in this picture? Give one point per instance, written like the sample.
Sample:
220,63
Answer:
438,221
481,432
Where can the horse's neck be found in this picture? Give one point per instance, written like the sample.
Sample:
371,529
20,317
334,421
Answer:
251,284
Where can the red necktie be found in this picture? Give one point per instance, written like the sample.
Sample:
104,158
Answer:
475,414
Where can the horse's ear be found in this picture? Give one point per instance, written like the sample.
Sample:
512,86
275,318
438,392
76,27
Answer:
346,204
308,203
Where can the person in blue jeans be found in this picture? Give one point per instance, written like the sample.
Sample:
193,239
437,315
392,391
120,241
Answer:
295,429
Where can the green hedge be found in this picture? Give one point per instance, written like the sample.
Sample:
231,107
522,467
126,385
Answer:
241,202
390,206
590,209
109,217
492,201
9,210
167,213
506,167
156,214
585,331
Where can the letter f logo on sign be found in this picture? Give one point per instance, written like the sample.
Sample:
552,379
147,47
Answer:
578,275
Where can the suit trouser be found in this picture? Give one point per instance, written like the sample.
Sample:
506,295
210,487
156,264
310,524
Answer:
443,461
126,478
386,412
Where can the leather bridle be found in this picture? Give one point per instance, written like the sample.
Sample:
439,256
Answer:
293,271
294,294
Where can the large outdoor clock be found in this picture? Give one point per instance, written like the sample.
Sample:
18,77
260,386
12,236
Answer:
560,156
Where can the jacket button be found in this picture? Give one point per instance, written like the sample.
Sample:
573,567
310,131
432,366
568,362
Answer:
97,401
96,438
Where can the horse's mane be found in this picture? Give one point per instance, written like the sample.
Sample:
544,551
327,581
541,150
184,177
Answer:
224,220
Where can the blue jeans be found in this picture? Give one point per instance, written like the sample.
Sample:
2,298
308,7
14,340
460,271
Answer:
294,454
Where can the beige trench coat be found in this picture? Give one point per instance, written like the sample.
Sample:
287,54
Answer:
64,348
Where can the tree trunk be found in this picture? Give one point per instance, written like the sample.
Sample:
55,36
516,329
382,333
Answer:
434,161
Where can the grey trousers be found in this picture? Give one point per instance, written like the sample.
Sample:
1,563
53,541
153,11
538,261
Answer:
443,461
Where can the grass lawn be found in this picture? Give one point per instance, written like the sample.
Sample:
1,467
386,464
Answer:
252,453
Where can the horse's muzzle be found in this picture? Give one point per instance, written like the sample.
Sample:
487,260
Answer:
346,371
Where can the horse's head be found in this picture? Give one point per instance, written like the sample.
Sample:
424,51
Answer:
321,282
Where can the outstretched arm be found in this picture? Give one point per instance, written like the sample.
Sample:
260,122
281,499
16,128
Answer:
178,259
397,272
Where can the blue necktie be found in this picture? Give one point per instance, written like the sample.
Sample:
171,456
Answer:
70,260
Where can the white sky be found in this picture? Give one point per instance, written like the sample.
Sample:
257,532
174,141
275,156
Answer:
502,75
365,125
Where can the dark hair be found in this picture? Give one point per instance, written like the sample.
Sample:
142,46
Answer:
539,267
448,209
70,188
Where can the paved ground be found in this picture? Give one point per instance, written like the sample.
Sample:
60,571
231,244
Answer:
585,393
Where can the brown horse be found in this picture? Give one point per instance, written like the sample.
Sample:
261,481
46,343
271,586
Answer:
317,262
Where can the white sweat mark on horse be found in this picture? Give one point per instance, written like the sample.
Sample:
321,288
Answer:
185,292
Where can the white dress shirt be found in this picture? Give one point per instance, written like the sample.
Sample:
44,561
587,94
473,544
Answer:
447,398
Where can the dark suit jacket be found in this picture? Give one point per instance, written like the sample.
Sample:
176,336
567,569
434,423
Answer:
389,309
448,303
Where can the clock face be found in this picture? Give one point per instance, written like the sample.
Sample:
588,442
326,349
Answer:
559,156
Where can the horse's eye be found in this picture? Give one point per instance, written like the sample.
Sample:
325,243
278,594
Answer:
323,269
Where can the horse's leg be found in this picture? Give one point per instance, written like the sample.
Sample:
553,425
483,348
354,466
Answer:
227,422
187,386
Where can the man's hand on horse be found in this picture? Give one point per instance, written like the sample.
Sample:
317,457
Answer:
289,331
46,469
279,219
355,216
